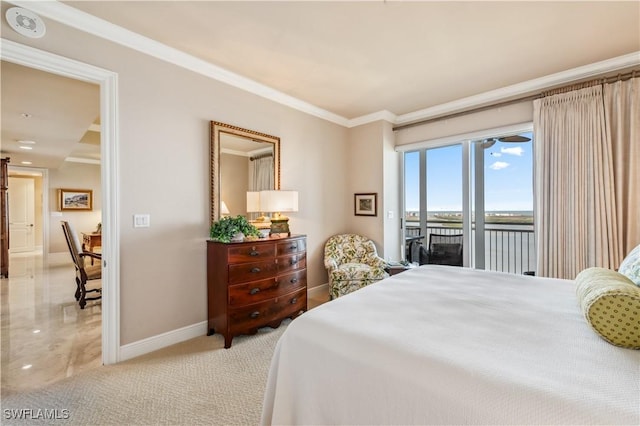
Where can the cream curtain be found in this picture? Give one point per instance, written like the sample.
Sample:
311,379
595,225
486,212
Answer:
587,177
576,220
622,112
261,173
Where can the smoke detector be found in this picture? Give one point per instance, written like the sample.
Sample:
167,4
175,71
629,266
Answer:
25,22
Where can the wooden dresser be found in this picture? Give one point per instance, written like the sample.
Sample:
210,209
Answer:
255,284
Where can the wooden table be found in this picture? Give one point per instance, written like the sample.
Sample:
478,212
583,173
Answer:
91,240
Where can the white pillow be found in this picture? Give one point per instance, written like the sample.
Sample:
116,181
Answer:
630,266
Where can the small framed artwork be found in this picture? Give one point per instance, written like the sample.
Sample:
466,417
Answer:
366,204
75,199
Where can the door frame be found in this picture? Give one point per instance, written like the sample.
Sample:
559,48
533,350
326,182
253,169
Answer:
43,174
108,81
467,141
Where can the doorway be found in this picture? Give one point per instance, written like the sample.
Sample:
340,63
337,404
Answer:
22,213
107,80
481,189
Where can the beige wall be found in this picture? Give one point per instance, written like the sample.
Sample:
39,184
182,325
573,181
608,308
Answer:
73,176
164,114
375,167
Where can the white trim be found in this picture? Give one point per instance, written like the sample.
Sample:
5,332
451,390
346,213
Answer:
108,81
478,134
82,160
44,175
370,118
318,290
153,343
525,88
83,21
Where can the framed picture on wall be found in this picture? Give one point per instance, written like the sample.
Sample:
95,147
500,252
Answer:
365,204
75,199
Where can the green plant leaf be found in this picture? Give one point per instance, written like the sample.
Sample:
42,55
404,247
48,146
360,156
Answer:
224,229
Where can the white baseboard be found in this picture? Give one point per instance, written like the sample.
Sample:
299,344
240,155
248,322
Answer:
318,290
150,344
59,258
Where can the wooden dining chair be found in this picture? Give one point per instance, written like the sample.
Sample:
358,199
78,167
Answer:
84,270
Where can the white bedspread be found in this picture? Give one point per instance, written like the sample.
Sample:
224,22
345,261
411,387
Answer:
446,345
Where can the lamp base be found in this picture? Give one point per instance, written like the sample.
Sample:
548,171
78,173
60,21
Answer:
280,226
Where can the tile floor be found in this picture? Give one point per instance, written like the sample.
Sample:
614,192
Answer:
45,335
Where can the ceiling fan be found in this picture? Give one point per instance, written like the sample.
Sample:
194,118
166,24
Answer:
489,142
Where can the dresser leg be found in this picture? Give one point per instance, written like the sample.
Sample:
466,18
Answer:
211,332
227,341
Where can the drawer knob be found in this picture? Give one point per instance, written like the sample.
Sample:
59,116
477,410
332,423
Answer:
294,300
255,270
293,280
254,290
293,247
294,261
254,253
255,314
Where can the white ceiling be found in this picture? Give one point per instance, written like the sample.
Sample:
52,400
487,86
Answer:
357,58
60,114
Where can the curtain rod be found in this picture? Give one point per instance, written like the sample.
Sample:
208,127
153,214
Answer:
259,156
604,80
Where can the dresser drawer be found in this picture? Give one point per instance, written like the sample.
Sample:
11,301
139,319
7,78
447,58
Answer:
244,272
293,246
250,317
292,263
251,253
257,291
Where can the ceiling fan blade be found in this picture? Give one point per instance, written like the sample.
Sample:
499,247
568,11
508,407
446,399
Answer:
488,143
514,138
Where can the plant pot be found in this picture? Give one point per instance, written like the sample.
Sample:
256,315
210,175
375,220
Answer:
237,238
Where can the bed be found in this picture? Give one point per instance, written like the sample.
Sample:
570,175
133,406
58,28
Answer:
446,345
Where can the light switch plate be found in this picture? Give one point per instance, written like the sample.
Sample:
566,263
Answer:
141,220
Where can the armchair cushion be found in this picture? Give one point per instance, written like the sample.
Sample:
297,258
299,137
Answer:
352,262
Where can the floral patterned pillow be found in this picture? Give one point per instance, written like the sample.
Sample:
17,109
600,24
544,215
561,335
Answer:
630,266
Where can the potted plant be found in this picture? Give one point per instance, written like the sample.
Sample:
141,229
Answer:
230,229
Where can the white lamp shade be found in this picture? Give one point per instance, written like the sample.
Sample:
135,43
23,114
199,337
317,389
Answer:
279,201
253,202
224,209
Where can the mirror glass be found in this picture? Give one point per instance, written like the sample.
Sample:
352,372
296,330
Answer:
242,160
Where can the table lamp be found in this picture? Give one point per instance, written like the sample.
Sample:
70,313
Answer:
224,210
253,205
277,202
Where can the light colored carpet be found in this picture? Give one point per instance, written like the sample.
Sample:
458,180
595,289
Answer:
191,383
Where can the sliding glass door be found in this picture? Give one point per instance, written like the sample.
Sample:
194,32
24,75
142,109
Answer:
480,189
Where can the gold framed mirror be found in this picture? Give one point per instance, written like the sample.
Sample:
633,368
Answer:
241,160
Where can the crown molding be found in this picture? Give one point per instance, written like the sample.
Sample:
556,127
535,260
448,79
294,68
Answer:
370,118
83,21
525,88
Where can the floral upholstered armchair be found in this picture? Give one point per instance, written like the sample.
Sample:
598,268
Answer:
352,263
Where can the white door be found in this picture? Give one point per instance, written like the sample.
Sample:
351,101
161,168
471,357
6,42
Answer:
21,215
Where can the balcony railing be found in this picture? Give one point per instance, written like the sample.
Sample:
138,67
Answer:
508,247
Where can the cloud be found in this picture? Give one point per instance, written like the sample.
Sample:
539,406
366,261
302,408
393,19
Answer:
517,150
499,165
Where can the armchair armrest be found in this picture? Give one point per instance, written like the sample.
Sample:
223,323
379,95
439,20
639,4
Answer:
330,263
90,254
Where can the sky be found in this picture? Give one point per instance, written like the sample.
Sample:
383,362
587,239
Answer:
508,170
